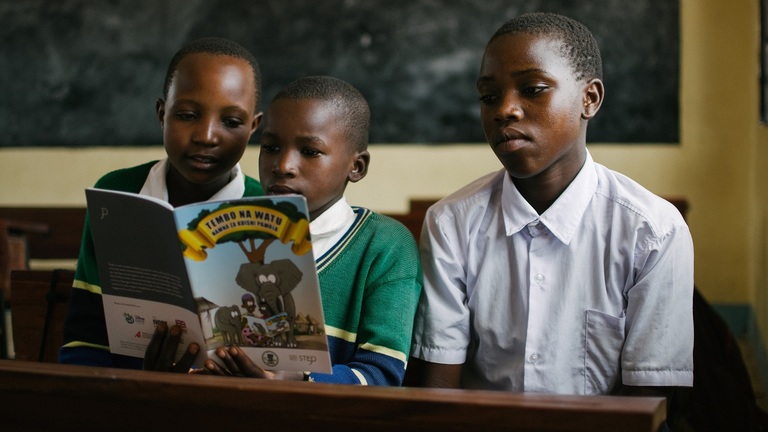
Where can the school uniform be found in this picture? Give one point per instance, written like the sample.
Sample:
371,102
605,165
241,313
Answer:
85,332
370,280
594,292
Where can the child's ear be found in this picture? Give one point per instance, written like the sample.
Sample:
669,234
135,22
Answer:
160,107
256,121
360,166
594,93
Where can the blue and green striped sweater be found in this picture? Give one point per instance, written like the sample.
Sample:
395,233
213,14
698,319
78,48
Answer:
370,282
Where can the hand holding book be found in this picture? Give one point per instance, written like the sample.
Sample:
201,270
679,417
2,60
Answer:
162,348
236,363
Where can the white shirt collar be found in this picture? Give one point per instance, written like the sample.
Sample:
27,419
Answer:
563,216
156,187
330,226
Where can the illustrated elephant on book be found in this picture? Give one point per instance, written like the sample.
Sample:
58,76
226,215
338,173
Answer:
272,284
228,321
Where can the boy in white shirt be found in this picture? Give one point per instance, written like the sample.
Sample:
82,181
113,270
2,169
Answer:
555,274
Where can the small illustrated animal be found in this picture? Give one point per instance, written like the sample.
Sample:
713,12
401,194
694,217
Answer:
254,337
228,321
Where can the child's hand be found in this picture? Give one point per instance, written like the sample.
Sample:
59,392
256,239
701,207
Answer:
162,349
240,365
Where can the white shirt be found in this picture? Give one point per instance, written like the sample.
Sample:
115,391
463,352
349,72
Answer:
156,187
596,291
328,228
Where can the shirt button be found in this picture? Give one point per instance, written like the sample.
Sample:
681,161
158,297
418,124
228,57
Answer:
534,358
540,225
539,278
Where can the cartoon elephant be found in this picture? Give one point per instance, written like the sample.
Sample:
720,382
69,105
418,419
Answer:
272,284
229,323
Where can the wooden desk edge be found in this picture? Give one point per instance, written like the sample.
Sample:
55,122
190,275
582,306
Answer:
67,390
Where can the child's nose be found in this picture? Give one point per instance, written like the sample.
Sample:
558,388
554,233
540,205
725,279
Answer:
207,131
285,164
509,108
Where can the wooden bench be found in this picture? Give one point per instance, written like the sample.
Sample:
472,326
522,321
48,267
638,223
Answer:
40,299
82,399
45,397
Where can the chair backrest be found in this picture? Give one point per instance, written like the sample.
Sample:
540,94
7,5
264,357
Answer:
64,230
38,309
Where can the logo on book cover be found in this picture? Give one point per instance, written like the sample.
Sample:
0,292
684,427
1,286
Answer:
133,319
182,325
270,358
234,223
303,358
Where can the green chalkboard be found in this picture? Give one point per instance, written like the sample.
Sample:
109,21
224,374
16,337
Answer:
88,73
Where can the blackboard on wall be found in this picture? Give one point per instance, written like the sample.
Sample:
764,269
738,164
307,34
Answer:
88,73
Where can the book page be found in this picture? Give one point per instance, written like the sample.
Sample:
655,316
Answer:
254,279
143,276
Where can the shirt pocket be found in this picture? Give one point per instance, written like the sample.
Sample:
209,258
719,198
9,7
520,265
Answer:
602,357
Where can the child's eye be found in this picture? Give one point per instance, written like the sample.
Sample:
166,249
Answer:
269,148
233,122
533,90
488,99
185,115
309,152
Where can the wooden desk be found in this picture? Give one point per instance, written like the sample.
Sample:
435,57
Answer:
45,397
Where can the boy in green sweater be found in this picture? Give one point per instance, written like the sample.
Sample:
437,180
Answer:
314,143
207,114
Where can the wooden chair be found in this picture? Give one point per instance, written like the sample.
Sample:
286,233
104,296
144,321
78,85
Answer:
31,234
14,255
64,230
40,299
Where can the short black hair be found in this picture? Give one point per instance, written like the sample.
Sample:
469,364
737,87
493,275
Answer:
579,44
349,102
216,46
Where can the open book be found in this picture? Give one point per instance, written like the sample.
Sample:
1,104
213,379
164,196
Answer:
237,272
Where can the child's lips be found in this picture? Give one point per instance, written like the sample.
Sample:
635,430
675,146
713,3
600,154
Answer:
202,161
510,138
281,190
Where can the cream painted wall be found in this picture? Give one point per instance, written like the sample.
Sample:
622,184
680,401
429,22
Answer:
397,174
760,258
719,111
716,165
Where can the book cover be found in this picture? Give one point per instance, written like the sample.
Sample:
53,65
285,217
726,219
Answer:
236,272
